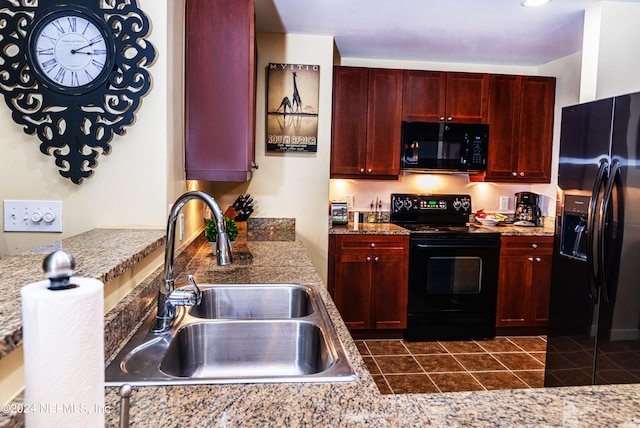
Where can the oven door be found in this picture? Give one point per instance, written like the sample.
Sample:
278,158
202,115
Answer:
453,285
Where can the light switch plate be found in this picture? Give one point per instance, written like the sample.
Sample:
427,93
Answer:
349,200
32,216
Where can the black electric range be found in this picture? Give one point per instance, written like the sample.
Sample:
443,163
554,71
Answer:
453,268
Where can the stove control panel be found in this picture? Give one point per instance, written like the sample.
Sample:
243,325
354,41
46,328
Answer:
441,204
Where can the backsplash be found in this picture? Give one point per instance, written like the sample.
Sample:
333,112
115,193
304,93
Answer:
483,195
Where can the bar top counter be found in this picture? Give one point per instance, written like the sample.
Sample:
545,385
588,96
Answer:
349,404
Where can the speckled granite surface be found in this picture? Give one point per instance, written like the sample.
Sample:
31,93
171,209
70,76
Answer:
392,229
103,254
358,403
271,229
368,229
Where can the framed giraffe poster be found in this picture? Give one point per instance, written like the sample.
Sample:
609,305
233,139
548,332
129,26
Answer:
292,107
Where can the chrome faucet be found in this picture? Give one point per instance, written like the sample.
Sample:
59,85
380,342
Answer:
168,297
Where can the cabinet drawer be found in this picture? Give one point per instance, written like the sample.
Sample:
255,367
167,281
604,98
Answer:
515,245
371,242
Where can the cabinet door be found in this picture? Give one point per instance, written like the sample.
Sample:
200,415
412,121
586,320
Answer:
524,281
540,290
389,283
467,95
349,120
521,110
352,289
423,97
384,116
536,129
368,279
220,76
514,291
504,115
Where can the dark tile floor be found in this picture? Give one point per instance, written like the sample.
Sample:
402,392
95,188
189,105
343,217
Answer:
401,367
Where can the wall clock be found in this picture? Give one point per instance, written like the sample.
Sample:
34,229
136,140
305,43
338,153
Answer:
74,74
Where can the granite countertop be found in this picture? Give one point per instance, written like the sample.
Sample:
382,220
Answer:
392,229
368,229
356,403
103,254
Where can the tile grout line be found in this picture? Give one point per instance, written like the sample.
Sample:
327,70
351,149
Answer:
379,369
519,350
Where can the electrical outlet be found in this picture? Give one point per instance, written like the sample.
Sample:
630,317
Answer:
504,203
32,216
181,228
349,199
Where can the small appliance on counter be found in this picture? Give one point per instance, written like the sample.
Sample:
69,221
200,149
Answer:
338,212
527,210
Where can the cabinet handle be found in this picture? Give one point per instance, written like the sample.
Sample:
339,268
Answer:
534,245
530,259
521,173
450,118
361,170
369,171
373,245
442,118
515,174
538,259
375,259
368,259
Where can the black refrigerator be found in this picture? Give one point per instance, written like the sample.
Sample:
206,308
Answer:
594,317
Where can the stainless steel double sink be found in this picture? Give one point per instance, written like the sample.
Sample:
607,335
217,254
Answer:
239,333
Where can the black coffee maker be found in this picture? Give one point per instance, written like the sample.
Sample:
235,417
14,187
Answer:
527,209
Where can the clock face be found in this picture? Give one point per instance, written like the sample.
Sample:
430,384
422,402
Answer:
70,50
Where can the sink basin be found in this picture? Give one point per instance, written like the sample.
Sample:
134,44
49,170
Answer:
249,333
254,301
256,348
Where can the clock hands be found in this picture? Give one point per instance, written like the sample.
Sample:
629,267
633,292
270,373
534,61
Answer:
75,51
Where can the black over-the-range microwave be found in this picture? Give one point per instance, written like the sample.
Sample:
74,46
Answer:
444,147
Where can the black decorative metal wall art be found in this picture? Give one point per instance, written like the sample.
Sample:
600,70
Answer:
74,74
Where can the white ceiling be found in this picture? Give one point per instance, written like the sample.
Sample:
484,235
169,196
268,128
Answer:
464,31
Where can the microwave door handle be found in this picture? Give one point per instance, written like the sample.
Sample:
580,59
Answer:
602,225
591,228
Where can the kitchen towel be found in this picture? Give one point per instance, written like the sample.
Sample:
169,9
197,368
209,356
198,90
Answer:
64,354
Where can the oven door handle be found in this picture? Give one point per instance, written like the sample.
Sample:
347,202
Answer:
460,244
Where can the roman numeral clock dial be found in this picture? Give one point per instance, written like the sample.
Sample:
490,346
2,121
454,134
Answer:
74,73
70,50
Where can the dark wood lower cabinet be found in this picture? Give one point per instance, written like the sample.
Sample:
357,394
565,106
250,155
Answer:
368,277
523,285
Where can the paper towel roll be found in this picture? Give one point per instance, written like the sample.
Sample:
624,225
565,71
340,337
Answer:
64,354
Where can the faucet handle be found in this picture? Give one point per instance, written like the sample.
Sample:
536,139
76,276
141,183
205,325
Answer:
198,291
186,297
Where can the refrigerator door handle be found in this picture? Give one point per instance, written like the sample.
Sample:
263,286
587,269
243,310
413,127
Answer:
602,224
591,228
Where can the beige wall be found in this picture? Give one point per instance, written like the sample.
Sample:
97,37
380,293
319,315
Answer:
135,183
293,185
611,39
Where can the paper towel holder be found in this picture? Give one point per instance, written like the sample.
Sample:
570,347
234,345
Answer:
59,266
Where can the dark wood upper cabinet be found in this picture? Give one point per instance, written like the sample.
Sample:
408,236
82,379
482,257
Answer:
366,121
220,90
436,96
521,112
